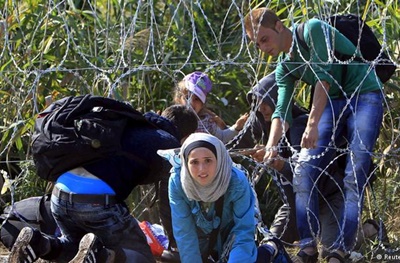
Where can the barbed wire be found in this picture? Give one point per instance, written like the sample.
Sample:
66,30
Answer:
116,32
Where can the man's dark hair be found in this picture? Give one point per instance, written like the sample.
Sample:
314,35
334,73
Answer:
183,118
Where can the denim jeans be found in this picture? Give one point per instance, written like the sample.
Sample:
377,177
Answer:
117,229
359,121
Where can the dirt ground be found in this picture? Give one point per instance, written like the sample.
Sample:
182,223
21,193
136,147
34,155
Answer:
3,250
4,256
3,253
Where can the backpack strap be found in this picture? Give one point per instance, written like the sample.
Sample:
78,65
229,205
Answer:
302,42
300,39
299,32
214,233
300,36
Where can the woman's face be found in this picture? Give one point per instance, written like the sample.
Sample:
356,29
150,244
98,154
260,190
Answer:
202,165
195,102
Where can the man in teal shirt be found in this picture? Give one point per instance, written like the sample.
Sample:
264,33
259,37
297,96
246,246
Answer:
347,101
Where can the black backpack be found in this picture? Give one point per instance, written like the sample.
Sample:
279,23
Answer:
74,131
349,25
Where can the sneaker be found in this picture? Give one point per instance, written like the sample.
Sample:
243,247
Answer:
265,253
380,230
26,247
281,256
91,250
273,250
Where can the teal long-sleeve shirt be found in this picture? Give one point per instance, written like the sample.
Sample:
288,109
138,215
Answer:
318,64
191,227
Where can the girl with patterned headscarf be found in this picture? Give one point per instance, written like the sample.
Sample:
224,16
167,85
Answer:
207,173
192,91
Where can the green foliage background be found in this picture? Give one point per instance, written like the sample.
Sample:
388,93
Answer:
138,50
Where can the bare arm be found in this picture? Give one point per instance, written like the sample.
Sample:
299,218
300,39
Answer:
275,135
310,135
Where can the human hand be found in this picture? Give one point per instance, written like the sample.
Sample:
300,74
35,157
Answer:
310,138
271,152
258,155
275,163
241,121
278,164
